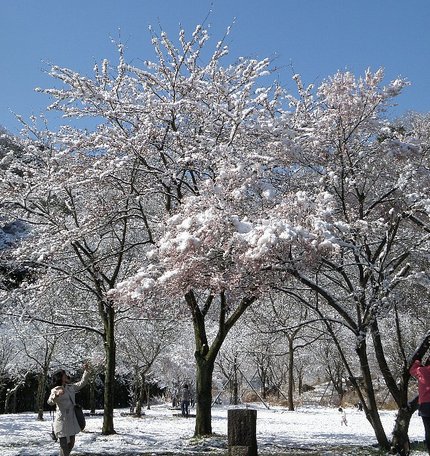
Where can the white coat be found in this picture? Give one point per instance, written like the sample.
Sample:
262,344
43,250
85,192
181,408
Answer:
65,423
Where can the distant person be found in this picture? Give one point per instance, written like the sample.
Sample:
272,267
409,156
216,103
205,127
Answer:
174,398
422,373
63,397
343,420
185,403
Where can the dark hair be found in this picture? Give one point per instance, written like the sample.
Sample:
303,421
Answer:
57,378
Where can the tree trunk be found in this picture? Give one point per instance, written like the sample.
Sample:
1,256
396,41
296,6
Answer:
2,394
40,397
206,356
93,395
400,444
300,381
7,401
234,386
10,400
148,396
399,392
400,440
262,374
110,350
204,373
140,395
290,375
370,406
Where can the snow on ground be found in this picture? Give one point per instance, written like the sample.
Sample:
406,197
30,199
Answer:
161,433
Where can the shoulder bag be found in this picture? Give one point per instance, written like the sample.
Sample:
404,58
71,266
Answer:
79,414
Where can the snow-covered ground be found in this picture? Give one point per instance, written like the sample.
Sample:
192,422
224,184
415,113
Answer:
161,433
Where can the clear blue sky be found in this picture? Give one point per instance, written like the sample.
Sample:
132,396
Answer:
317,37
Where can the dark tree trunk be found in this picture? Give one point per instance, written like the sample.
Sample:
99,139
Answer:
262,374
370,406
400,441
400,444
92,396
148,396
290,375
40,398
10,400
398,390
234,385
206,356
300,381
141,395
203,396
110,351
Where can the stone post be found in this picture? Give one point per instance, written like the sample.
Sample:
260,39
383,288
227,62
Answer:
242,432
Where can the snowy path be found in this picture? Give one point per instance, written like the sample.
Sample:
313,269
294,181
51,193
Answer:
160,433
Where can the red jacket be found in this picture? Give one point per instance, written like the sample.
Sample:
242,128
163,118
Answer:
422,374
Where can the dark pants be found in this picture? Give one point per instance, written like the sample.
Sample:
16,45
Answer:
426,421
185,408
66,448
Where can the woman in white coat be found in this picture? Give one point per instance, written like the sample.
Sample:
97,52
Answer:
63,396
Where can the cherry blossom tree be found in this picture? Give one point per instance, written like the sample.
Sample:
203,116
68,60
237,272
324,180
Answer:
215,290
78,236
97,197
358,228
338,202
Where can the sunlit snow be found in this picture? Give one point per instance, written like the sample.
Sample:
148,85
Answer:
160,432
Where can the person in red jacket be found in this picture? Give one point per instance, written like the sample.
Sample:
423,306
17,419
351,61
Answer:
422,373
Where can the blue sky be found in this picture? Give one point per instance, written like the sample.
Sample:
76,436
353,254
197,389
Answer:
315,37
